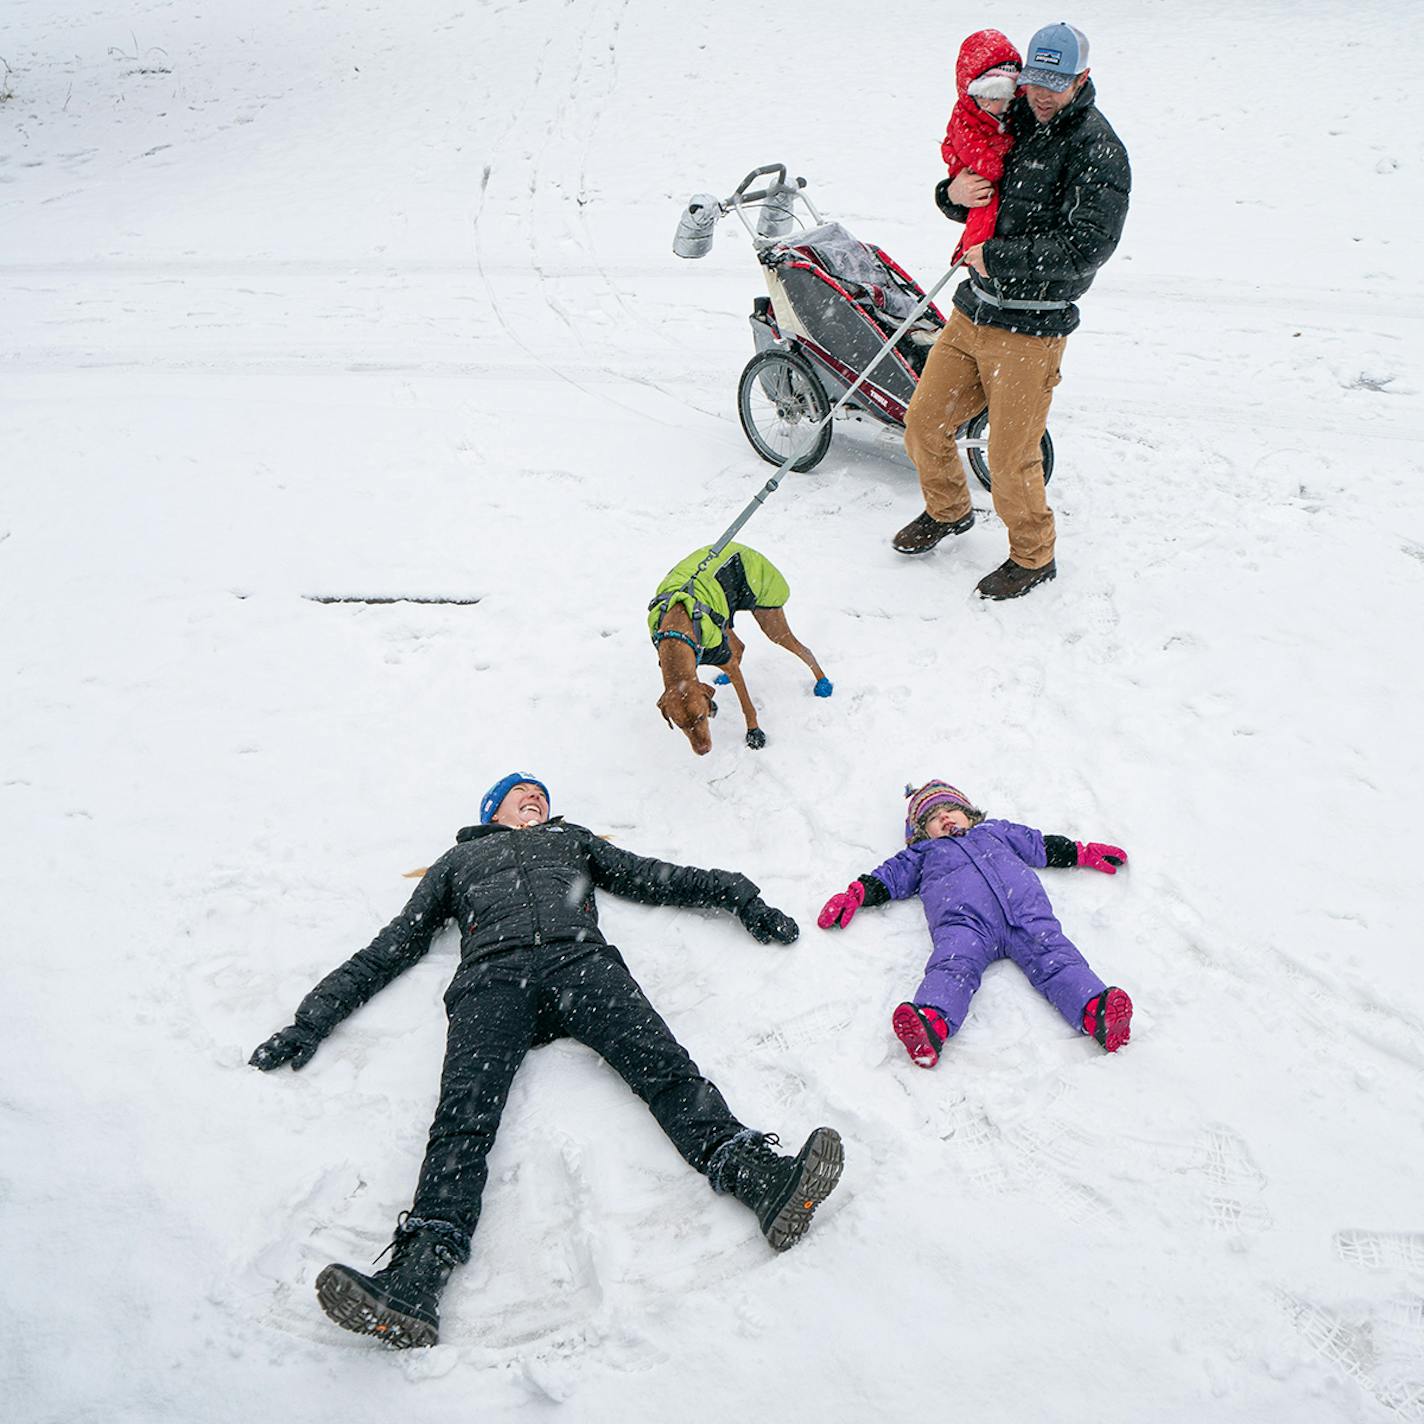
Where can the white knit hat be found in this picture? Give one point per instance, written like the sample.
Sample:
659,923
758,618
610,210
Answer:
1000,82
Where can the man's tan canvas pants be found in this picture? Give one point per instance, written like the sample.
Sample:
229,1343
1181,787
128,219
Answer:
1014,375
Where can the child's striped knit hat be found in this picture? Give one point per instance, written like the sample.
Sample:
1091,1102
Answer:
929,797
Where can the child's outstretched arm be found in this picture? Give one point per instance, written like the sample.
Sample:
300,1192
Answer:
896,879
1095,855
1039,850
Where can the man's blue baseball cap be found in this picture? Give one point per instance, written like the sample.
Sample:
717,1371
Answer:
489,804
1055,57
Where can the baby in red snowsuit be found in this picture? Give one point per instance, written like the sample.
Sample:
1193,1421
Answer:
986,75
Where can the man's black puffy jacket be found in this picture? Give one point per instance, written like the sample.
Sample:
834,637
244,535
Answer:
510,889
1062,204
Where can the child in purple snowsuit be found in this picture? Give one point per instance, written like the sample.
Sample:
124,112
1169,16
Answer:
983,902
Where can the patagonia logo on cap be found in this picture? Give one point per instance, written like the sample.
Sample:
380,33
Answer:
1056,54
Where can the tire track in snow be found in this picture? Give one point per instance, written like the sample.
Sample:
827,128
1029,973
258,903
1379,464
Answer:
539,85
588,128
634,316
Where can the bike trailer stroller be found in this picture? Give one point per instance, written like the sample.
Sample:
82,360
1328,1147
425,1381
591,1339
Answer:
832,304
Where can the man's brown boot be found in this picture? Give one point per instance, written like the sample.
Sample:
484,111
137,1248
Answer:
920,535
1011,580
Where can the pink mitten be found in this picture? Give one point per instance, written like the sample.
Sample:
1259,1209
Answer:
840,909
1097,856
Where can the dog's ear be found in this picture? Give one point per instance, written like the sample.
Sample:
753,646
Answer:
662,708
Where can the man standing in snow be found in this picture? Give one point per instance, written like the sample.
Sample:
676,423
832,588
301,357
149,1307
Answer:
1062,203
534,967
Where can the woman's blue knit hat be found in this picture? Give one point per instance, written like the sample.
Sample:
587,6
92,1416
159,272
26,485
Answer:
490,802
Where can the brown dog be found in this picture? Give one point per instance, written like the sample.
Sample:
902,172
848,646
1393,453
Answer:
734,582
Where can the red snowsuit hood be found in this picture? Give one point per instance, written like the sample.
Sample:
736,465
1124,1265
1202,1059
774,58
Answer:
976,139
984,49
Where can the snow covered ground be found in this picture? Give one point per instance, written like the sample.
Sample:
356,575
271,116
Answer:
304,301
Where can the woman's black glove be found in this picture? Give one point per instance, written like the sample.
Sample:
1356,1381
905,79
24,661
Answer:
294,1045
765,924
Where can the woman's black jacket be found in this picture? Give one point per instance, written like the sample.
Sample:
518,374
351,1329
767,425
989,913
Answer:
509,889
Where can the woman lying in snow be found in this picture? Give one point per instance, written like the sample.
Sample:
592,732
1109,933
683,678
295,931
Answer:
534,967
983,902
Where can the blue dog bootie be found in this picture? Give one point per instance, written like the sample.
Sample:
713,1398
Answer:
824,687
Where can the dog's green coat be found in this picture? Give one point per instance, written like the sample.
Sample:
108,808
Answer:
707,600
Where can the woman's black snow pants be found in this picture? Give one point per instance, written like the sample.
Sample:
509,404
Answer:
501,1008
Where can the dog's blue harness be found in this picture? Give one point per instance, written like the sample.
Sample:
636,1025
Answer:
663,635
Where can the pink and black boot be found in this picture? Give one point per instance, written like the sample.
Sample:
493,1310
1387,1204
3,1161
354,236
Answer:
1108,1017
923,1031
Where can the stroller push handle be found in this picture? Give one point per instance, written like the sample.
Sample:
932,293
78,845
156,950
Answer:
779,191
741,194
762,194
777,201
697,225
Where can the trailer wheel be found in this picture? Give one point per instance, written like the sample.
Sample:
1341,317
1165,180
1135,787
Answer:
779,399
974,438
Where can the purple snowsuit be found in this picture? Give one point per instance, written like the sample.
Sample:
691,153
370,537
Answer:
984,902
